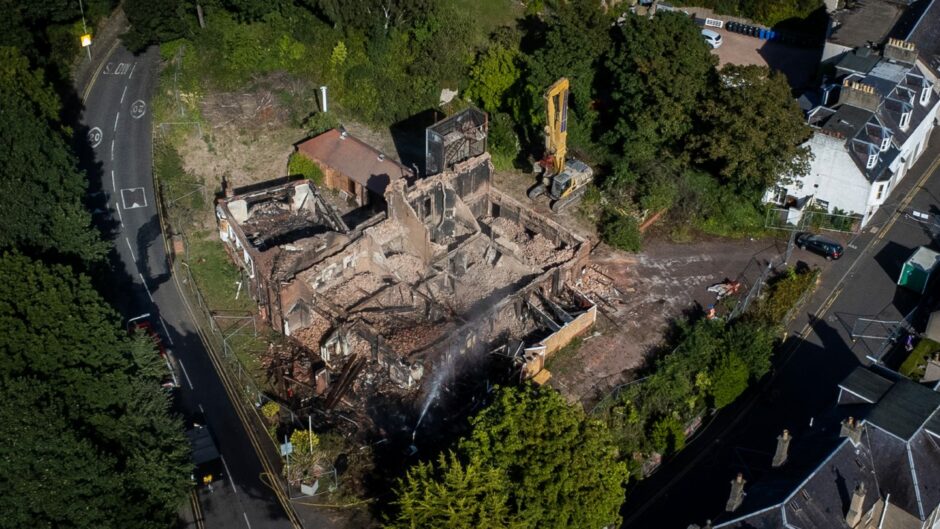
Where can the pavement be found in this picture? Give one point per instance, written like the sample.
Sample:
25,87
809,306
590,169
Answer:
119,129
797,63
820,351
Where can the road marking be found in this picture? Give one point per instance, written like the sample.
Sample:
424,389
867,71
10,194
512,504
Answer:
124,93
116,116
246,519
229,472
201,408
197,510
98,71
120,217
112,150
131,76
94,137
144,281
128,241
113,184
138,109
134,195
188,381
165,331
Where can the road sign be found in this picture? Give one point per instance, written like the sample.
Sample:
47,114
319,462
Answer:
86,40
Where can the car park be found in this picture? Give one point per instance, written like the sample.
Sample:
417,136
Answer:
821,245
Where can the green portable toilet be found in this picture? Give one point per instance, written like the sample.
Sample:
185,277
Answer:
915,274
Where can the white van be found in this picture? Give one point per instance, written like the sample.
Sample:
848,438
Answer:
713,38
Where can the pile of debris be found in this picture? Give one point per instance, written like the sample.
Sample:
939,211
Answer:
535,249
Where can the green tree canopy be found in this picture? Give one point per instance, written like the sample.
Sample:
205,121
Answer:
82,399
659,70
752,131
41,188
153,22
495,72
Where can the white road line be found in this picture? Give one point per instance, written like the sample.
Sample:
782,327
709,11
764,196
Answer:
113,184
120,217
128,241
144,281
201,408
116,116
124,93
131,76
246,519
188,381
230,480
112,153
165,331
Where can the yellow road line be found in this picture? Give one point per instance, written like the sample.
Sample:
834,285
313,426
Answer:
197,510
94,77
238,406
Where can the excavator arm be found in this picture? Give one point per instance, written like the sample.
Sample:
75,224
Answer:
556,128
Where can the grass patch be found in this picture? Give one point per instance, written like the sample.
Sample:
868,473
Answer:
913,366
564,358
216,276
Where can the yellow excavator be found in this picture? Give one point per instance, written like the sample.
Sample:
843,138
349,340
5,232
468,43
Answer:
563,180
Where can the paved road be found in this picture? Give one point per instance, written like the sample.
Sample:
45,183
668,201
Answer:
118,116
694,486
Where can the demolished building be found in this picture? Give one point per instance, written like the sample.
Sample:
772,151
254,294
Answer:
452,267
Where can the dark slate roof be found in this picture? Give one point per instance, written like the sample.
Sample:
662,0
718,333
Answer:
892,467
933,424
860,60
847,120
925,452
866,384
904,409
868,21
926,36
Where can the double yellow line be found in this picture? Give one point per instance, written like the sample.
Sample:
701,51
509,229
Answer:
198,518
232,392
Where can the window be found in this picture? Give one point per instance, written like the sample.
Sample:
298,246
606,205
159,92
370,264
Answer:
880,192
905,120
925,95
822,203
885,143
872,160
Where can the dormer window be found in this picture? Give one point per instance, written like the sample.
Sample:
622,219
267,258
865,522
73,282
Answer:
905,119
885,143
925,94
872,160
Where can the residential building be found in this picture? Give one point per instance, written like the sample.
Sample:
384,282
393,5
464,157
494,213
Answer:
877,468
871,124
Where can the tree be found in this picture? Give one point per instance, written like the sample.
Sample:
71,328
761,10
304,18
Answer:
41,188
621,231
729,379
373,14
153,22
453,495
563,467
752,131
494,73
659,69
93,406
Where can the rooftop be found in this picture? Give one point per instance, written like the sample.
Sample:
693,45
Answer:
354,159
904,408
926,36
868,21
866,384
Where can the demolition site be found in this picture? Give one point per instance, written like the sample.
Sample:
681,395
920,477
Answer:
447,287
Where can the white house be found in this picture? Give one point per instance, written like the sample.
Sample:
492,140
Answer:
870,127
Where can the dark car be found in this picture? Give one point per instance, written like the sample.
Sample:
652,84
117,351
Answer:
208,465
821,245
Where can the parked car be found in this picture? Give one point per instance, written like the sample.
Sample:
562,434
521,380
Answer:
142,324
712,38
208,465
821,245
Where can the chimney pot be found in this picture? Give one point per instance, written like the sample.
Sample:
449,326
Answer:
857,505
737,493
783,447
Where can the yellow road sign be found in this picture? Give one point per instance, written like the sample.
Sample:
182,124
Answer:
86,40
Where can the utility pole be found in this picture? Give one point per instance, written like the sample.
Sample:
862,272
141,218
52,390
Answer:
86,37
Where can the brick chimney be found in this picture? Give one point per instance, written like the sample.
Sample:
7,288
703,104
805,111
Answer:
900,50
851,429
859,95
854,515
737,493
783,446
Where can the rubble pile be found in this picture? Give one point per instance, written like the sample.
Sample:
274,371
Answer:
312,335
537,249
408,268
410,339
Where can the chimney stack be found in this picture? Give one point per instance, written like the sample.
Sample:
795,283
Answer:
737,493
851,429
783,447
900,50
859,95
858,504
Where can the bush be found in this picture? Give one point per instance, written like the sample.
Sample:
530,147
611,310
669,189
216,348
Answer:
298,164
621,231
